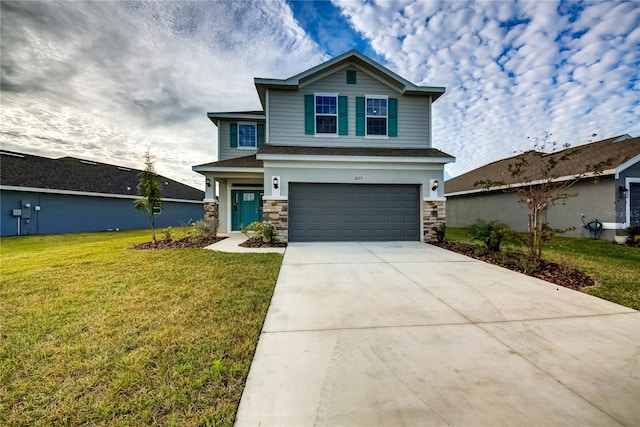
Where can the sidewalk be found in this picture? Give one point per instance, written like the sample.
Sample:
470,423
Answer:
230,244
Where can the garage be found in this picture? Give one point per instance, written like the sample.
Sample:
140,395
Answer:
353,212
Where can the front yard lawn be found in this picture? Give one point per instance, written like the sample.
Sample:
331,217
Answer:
614,268
92,333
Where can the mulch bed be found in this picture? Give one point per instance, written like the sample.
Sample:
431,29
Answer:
558,274
257,242
183,243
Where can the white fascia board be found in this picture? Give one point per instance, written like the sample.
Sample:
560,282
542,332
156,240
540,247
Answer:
86,193
243,116
626,165
290,164
226,170
536,182
354,159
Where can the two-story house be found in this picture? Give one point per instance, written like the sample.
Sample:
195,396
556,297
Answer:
340,152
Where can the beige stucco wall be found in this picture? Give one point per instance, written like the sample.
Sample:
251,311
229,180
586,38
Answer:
593,200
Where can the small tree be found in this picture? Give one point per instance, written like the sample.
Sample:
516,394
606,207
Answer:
150,191
536,184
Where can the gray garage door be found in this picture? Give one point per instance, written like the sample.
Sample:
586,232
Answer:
353,212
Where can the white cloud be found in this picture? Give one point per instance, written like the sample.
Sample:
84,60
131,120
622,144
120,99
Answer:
513,70
106,80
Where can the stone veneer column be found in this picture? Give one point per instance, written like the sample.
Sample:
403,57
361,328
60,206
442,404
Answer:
276,213
433,214
211,211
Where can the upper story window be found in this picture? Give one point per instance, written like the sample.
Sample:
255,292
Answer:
247,135
376,115
326,108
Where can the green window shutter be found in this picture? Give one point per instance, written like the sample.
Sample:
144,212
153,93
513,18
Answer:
260,131
360,122
393,117
343,115
309,115
233,131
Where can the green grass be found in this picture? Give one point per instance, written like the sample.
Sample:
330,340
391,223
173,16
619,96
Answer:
92,333
614,268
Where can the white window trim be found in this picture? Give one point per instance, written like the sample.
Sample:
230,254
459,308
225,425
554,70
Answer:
315,115
366,116
255,141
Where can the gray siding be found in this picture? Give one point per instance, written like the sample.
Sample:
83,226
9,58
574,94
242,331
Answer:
621,204
62,213
286,114
225,151
594,201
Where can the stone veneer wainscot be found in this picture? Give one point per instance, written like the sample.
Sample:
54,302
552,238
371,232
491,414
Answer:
433,214
275,212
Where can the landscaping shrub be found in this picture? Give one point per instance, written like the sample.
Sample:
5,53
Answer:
490,233
263,230
441,231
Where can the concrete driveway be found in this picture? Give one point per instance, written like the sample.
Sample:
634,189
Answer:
407,334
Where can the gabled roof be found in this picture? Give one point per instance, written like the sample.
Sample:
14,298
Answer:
72,174
404,86
621,149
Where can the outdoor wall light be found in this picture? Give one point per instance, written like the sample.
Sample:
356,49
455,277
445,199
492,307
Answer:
623,191
435,185
275,182
208,181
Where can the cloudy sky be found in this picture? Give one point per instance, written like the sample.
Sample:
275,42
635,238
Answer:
107,80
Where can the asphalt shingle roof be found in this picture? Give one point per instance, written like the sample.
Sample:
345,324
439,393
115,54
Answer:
73,174
618,148
352,151
238,162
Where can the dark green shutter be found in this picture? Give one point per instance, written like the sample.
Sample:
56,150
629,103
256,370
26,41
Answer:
233,131
343,115
260,127
360,122
393,117
309,115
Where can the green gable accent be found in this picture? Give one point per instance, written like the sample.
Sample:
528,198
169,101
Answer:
233,131
260,132
343,115
309,115
393,117
360,122
351,77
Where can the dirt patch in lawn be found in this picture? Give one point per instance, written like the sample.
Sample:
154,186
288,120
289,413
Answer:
257,242
185,242
557,273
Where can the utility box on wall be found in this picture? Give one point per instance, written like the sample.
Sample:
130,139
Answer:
16,212
26,211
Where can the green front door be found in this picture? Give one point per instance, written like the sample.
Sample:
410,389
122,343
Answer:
246,207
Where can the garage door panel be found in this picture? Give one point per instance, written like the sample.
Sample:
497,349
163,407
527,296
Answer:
347,212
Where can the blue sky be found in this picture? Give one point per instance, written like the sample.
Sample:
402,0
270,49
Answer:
106,80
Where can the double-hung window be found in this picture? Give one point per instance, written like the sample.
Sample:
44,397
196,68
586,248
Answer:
376,115
326,112
247,135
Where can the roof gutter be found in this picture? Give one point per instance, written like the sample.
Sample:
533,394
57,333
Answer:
87,193
535,182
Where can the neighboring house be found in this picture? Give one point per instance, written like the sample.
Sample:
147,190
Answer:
614,200
340,152
40,195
